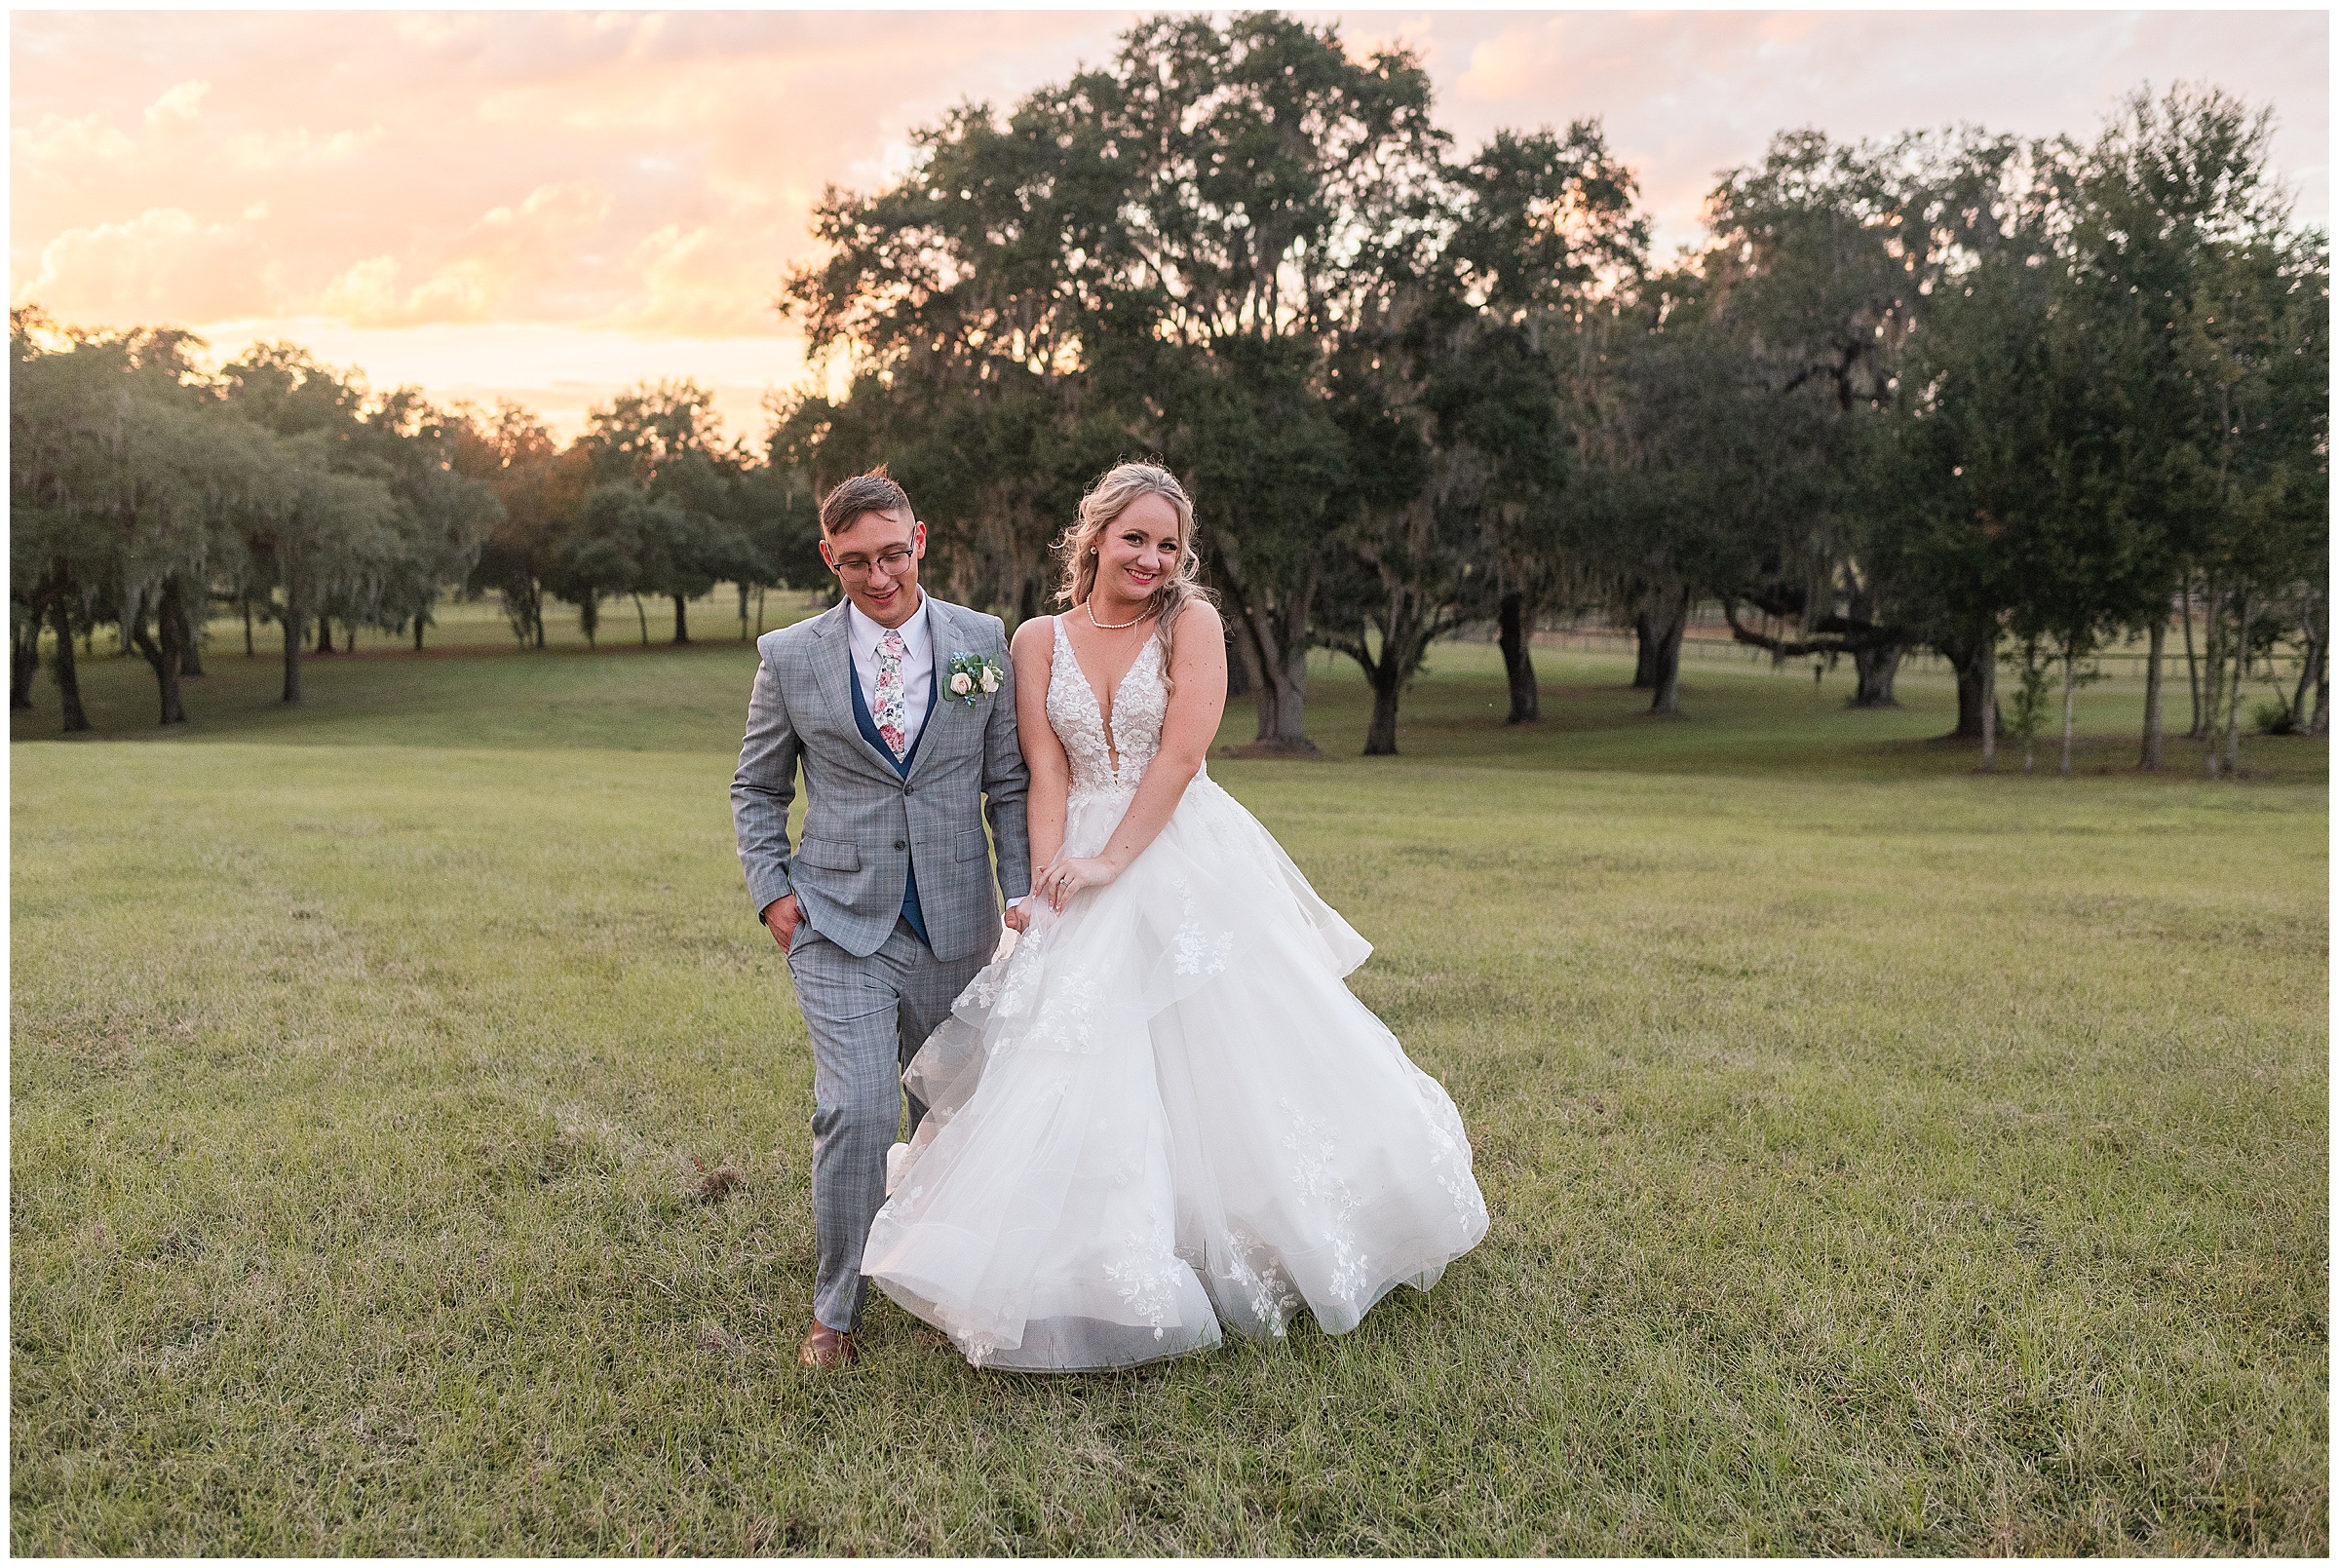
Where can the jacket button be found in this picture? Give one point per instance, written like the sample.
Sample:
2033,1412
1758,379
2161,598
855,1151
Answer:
900,843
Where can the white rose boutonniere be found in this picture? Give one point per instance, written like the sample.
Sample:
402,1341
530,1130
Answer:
969,676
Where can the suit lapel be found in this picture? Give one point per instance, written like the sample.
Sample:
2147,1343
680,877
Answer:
832,673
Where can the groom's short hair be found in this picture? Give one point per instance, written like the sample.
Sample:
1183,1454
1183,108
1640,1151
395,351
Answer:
873,491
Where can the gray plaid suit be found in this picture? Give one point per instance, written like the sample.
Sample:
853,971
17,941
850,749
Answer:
869,989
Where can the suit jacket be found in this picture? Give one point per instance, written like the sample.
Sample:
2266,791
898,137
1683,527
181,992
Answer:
867,822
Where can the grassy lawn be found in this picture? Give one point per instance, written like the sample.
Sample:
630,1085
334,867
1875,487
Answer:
1883,1157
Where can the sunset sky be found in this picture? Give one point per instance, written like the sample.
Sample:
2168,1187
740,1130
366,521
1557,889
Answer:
549,206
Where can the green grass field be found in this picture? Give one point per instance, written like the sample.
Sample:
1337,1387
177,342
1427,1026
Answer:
1883,1157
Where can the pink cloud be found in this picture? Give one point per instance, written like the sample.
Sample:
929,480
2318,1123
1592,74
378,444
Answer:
641,182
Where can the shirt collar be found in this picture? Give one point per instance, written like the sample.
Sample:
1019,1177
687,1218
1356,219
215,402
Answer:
866,633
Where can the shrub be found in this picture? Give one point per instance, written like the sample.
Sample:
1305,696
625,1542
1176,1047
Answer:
2271,715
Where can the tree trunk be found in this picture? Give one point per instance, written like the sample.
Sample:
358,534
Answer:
1873,670
294,623
190,642
64,673
2314,635
1519,661
2233,710
2066,768
682,620
1645,661
1279,643
1667,698
1973,686
1990,705
759,613
1380,737
162,647
247,653
24,662
743,612
171,621
1252,681
2213,686
589,617
1268,696
641,614
2320,721
324,634
2150,761
1290,683
2192,661
418,633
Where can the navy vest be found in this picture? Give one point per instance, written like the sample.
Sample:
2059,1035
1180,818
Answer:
868,729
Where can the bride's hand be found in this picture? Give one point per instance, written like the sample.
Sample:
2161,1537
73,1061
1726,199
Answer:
1068,876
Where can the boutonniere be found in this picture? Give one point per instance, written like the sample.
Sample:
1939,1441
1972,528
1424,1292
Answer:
969,675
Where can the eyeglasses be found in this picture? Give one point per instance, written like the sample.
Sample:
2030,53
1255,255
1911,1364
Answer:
892,563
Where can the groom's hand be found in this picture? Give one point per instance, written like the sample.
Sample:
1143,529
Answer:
1018,915
780,917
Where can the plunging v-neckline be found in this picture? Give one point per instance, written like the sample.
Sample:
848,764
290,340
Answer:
1097,705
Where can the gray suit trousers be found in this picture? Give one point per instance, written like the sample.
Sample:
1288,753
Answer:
867,1016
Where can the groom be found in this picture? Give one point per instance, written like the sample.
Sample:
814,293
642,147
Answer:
885,908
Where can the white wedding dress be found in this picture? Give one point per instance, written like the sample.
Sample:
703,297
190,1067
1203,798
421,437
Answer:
1163,1110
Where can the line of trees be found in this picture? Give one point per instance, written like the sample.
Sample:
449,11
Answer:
149,496
2001,399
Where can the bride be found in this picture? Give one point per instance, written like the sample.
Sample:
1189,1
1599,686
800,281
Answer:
1162,1111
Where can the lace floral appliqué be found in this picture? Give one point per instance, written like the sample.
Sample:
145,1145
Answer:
1147,1278
1313,1172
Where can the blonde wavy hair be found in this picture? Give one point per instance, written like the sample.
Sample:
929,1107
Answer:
1110,496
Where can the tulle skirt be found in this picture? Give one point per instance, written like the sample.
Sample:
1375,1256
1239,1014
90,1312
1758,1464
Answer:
1162,1112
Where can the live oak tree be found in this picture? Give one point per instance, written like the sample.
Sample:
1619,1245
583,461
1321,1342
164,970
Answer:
119,468
1448,397
600,556
58,556
540,490
663,440
1557,234
1691,460
1155,257
443,514
1826,262
326,529
1279,184
1968,450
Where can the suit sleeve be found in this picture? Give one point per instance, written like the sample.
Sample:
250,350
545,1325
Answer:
762,790
1005,781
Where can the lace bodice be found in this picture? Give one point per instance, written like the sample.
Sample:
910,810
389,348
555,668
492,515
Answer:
1139,703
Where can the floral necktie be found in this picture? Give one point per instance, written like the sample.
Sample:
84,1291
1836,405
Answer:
891,707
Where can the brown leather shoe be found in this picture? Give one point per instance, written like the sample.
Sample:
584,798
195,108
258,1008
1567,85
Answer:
827,1347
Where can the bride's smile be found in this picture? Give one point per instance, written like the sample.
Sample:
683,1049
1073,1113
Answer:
1133,557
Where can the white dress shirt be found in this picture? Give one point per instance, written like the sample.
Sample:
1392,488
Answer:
917,665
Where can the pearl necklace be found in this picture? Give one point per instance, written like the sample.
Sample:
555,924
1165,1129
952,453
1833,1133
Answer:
1090,606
